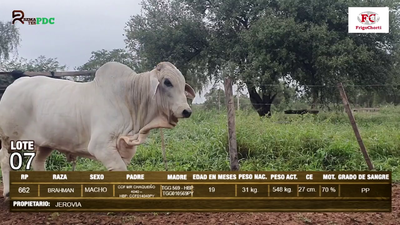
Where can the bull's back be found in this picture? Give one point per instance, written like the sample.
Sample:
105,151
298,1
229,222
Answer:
46,110
15,105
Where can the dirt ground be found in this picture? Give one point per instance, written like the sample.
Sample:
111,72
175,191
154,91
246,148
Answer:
392,218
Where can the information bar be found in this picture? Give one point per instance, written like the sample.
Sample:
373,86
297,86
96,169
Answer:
200,191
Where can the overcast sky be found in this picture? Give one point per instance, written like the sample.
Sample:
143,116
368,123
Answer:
80,27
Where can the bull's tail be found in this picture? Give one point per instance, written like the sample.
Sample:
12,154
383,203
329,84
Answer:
5,168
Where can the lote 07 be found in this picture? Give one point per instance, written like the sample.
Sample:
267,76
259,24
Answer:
16,157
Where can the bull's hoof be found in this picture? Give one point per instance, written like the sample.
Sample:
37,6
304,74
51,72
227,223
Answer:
7,197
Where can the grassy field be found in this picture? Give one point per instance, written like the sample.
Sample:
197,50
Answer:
281,143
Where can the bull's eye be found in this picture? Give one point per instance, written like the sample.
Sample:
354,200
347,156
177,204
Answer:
167,83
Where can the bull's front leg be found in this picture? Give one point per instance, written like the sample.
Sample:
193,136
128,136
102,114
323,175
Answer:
125,149
39,162
5,170
106,152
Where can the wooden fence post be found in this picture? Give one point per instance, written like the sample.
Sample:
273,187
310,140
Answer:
163,149
237,97
233,155
219,100
354,125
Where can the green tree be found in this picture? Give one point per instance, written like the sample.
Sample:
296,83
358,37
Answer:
100,57
169,31
9,40
40,64
232,53
200,37
261,42
322,52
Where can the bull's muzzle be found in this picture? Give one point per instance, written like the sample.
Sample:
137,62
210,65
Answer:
186,113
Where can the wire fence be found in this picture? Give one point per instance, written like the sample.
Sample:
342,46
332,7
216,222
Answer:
330,96
335,86
328,99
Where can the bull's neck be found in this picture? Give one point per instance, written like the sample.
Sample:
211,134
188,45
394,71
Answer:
144,105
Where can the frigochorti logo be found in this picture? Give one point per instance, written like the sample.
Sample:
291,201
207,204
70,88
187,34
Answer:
368,19
19,15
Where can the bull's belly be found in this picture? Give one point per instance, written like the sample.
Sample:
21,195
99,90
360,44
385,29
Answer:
66,146
47,135
59,140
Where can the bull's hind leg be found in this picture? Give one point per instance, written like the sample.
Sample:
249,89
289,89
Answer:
5,170
71,158
39,162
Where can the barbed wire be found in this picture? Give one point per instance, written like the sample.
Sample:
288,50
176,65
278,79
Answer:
249,103
335,86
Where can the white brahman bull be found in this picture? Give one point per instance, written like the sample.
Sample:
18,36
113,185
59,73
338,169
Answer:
104,119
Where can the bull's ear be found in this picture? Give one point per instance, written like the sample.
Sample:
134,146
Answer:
189,92
160,66
153,86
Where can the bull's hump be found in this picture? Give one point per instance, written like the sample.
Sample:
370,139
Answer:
112,70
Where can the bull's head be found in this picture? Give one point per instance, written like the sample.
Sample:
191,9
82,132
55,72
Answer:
171,91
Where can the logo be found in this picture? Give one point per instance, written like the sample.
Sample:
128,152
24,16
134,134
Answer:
19,15
368,20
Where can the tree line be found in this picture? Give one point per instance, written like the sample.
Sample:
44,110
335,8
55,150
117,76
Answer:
277,50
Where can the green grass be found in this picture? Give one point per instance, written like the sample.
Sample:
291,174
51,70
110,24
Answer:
281,143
